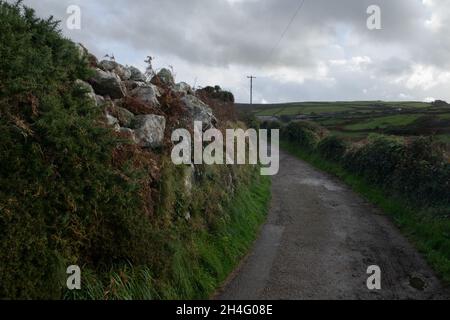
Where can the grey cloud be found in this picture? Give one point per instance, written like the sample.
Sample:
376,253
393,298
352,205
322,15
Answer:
220,34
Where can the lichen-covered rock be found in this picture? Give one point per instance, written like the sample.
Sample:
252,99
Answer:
84,85
149,130
147,93
113,122
124,116
112,66
183,88
107,65
106,83
199,111
132,84
89,90
164,77
136,74
99,100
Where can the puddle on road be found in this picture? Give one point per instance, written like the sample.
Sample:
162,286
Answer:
417,283
321,183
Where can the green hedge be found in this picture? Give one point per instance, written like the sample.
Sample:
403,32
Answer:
73,192
304,134
62,201
332,148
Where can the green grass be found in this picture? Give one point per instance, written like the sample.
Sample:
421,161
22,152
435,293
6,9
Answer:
429,233
350,135
303,108
307,108
314,109
444,138
269,112
356,119
384,122
200,263
410,104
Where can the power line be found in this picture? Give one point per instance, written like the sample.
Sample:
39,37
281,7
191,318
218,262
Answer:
297,11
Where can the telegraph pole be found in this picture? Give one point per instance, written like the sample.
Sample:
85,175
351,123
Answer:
251,88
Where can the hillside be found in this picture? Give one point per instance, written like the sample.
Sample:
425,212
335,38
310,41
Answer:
355,120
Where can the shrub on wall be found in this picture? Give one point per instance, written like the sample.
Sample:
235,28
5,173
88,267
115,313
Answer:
332,148
304,134
423,173
376,160
62,201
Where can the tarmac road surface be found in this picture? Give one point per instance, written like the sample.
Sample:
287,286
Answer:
318,242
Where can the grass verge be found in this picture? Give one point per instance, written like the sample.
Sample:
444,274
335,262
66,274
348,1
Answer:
199,262
429,233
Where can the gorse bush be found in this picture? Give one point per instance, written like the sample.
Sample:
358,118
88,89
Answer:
249,119
73,191
415,169
62,201
332,148
376,160
305,134
217,93
423,172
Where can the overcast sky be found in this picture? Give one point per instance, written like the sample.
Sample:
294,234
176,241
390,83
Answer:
328,52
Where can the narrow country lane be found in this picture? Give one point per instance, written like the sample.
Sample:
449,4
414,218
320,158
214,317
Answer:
318,242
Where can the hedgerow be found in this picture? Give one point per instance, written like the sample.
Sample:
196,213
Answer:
304,134
62,201
332,148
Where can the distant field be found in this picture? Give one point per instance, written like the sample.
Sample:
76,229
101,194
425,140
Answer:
356,119
383,122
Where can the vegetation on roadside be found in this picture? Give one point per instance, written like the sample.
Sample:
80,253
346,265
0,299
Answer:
408,178
75,192
62,201
196,260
